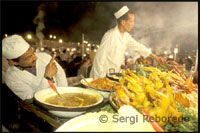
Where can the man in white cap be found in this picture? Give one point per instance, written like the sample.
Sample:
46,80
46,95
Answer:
28,71
111,53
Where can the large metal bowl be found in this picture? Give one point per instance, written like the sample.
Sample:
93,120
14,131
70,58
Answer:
63,111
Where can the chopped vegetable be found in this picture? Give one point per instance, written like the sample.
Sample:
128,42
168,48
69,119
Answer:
141,72
189,123
163,68
108,108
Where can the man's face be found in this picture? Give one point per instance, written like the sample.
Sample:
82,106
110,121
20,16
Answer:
128,24
28,59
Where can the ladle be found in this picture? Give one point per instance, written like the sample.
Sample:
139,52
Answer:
54,88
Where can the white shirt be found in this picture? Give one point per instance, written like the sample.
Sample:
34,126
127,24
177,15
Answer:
111,53
24,84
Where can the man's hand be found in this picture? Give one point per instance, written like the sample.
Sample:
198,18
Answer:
51,68
160,60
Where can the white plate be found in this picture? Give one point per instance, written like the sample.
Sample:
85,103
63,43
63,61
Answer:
92,122
62,111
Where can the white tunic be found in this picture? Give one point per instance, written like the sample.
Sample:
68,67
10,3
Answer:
24,84
111,53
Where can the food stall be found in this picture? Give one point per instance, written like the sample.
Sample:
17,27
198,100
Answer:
144,96
162,96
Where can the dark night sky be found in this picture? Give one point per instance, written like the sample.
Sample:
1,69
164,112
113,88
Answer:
64,19
159,25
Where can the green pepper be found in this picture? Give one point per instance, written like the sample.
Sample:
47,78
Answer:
141,72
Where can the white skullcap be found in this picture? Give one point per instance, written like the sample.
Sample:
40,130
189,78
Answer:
14,46
121,12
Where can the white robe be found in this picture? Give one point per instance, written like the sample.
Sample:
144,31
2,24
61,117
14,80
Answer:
111,53
24,84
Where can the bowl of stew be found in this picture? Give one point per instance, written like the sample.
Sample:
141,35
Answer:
73,101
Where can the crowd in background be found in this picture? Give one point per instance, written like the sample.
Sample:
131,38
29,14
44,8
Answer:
74,65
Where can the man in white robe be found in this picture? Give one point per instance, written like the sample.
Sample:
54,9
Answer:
111,53
28,71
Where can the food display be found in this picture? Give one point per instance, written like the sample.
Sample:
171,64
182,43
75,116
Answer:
159,93
153,94
166,97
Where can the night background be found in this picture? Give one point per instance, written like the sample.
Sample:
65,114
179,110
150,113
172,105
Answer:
65,19
159,25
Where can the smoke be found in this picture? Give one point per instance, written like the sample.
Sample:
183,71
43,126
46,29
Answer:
39,20
159,24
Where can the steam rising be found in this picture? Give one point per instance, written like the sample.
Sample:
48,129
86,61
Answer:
39,20
160,24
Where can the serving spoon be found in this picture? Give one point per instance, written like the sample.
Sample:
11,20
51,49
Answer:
85,80
54,88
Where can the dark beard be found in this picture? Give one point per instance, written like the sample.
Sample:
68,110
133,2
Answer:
23,68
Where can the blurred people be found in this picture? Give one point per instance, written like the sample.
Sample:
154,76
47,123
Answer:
114,44
47,50
73,66
85,67
61,63
181,61
64,55
28,71
188,64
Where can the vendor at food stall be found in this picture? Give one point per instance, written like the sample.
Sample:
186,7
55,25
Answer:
114,44
28,71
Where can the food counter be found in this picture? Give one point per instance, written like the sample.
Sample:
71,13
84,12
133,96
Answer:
148,91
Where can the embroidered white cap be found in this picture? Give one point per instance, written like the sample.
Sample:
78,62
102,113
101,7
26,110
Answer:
121,12
14,46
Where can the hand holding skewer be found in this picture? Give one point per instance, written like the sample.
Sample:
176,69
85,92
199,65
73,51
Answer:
51,68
